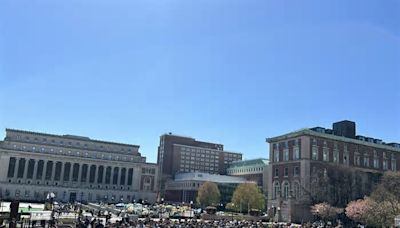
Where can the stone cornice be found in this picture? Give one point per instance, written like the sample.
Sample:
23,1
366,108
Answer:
309,132
83,139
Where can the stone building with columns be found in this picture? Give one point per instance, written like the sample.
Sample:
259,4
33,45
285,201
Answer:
75,168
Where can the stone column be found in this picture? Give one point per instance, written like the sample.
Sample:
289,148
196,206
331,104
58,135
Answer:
87,174
80,173
126,176
112,176
104,175
96,174
44,170
119,176
62,172
53,171
35,167
17,168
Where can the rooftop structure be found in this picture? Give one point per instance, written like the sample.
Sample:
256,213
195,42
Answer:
255,170
197,176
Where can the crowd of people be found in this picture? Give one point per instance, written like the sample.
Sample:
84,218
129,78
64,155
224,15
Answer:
178,223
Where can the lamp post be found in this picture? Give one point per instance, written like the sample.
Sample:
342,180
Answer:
161,209
191,210
240,206
50,197
233,206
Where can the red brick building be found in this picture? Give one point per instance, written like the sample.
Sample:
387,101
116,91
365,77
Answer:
181,154
317,164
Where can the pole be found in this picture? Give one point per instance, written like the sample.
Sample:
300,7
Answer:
233,206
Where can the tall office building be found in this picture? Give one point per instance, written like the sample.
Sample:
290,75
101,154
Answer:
75,168
325,165
179,154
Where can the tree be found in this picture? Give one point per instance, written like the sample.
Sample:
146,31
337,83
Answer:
248,196
208,194
325,211
358,210
386,200
382,206
338,184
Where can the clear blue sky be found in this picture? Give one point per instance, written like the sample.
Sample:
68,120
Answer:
233,72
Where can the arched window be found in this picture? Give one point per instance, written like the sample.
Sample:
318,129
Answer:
277,190
286,188
296,189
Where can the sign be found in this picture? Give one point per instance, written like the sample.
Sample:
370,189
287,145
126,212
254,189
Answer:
397,221
40,215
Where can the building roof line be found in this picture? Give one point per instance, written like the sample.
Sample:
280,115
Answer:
205,148
87,139
171,134
307,131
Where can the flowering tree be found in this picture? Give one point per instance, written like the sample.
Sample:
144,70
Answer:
386,200
325,211
382,206
358,210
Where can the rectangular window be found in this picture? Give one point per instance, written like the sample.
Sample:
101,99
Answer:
286,154
357,159
276,155
393,165
346,157
276,172
366,161
325,154
296,171
21,168
49,170
335,155
314,153
39,172
376,163
296,153
57,174
286,171
385,164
